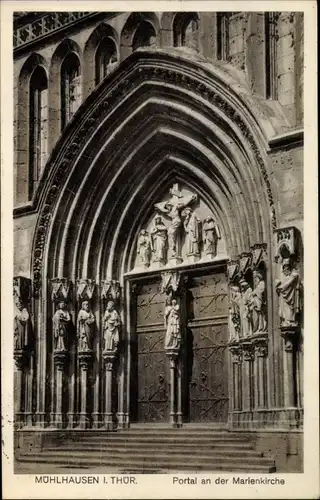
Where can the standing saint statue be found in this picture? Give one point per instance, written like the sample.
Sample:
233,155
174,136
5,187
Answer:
245,308
21,326
192,229
258,304
172,208
172,324
210,236
61,323
144,248
111,325
85,323
289,291
159,239
234,313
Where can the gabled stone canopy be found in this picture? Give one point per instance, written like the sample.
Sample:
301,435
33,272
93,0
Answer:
161,117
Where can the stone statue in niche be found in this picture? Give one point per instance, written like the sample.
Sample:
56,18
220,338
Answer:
159,240
111,325
245,308
61,324
172,208
258,304
192,229
113,63
234,313
85,323
289,291
172,324
210,236
21,325
144,248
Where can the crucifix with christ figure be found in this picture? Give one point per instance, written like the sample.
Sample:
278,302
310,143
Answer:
172,208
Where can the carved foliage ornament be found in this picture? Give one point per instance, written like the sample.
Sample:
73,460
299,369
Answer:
137,75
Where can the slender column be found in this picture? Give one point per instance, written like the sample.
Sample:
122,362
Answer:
179,395
60,359
109,357
85,359
236,353
20,361
289,336
173,356
247,379
261,351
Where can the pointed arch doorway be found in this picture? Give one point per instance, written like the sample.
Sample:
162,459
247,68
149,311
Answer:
186,127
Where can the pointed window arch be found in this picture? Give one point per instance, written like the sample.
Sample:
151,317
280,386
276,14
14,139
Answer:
106,58
145,36
186,30
38,126
70,87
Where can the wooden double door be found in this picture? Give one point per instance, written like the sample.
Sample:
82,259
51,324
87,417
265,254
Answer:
204,353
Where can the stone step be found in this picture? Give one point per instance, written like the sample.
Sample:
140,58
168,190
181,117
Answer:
136,465
168,442
168,437
174,448
170,455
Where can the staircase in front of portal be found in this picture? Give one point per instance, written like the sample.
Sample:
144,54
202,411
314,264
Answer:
149,449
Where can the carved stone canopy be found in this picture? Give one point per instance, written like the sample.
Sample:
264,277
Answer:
21,289
285,242
171,281
110,290
61,289
85,289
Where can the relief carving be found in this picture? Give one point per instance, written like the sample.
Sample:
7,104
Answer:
159,238
192,229
258,304
144,248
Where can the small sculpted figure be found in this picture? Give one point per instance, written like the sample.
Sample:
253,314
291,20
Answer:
211,234
289,291
245,308
144,248
258,304
172,323
192,229
234,313
159,239
21,326
61,323
85,324
111,325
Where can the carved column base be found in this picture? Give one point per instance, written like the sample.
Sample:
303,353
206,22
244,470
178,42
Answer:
40,420
72,420
97,420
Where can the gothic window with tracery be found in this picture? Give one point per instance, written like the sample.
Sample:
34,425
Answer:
70,88
145,36
106,58
38,126
186,30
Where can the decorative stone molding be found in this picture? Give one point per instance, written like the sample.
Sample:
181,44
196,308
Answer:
248,350
85,289
21,358
110,290
232,270
285,243
245,262
109,99
260,344
290,337
170,282
109,357
60,359
236,353
85,359
61,289
259,254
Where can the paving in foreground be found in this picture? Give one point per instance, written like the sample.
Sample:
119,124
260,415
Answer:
147,450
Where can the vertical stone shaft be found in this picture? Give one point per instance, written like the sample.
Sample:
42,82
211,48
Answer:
59,390
262,379
18,378
288,377
179,395
84,390
172,391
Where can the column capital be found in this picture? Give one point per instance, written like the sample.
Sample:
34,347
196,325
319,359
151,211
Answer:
248,350
290,337
21,358
85,358
236,353
260,344
60,359
173,355
109,357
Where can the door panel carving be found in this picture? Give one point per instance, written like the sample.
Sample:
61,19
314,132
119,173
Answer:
152,369
207,353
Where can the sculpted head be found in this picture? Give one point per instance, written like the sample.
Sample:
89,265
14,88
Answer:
110,305
85,305
286,267
243,284
61,305
257,276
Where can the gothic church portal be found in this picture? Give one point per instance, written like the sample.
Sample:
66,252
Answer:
158,224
